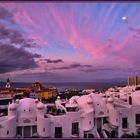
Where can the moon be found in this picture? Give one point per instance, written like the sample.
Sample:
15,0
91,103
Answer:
123,18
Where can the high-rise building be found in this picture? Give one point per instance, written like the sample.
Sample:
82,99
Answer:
134,80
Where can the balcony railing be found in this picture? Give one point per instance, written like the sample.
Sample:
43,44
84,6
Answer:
75,132
126,128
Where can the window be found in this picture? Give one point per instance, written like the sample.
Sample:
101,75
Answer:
124,122
137,88
130,100
137,118
26,121
90,136
36,119
43,129
85,135
58,132
75,128
19,131
71,109
7,132
105,120
113,134
34,129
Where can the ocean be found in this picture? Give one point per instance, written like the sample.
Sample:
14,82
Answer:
69,85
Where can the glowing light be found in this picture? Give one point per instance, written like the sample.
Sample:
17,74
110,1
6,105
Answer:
124,18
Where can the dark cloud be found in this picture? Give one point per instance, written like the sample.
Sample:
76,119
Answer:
72,66
54,61
97,69
41,77
36,55
5,14
12,59
126,70
13,36
88,66
89,70
136,30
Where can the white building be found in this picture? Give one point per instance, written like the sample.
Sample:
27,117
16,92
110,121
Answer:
92,115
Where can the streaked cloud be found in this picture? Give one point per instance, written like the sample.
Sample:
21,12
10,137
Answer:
15,59
5,14
71,66
54,61
83,38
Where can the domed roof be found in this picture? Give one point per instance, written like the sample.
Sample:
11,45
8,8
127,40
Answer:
110,100
40,105
12,106
17,101
26,104
58,97
89,101
26,108
26,101
36,101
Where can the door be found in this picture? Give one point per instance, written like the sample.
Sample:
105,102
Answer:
27,131
58,132
124,123
113,133
75,128
85,135
19,131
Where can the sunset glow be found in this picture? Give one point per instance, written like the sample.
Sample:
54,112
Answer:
69,41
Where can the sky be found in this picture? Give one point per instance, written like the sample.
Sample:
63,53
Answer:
69,41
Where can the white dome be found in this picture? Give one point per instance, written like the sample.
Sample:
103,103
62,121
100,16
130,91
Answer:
12,106
17,101
40,105
36,100
58,97
110,100
26,106
89,101
26,102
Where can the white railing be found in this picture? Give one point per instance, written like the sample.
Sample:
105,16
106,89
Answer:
97,134
104,134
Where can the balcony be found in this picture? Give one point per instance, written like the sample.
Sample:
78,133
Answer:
75,133
137,125
125,128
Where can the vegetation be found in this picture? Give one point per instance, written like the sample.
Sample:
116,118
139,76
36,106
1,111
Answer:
50,100
130,135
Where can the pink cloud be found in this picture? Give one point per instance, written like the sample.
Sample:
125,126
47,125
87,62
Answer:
52,23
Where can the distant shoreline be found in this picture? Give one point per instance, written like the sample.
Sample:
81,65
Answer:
69,85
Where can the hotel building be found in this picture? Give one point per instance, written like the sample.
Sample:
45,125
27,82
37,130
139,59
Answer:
87,116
